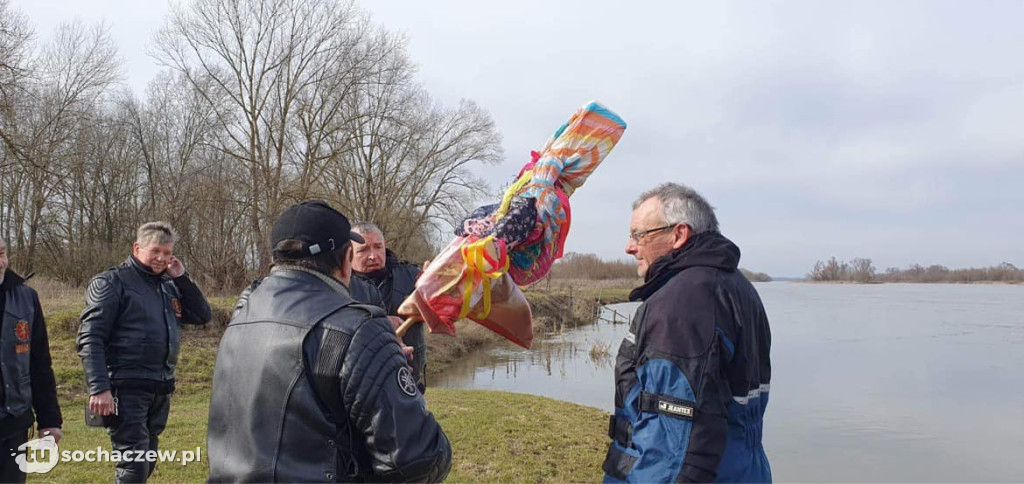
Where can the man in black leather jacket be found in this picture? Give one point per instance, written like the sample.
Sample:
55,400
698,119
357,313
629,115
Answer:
311,385
26,379
129,341
394,279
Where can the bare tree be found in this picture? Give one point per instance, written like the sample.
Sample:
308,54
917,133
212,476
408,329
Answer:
271,60
318,103
264,102
76,69
831,270
861,270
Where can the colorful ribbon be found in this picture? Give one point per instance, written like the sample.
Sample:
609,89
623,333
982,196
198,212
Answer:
477,257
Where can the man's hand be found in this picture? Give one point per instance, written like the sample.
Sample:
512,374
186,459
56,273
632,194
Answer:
174,268
102,403
54,431
406,350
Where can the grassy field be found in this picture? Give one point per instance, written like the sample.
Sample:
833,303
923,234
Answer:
496,436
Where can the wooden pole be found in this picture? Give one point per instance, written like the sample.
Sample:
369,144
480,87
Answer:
411,320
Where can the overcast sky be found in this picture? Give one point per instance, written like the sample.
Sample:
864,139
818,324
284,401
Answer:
888,130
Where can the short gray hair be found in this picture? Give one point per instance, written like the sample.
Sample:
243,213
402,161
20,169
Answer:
159,233
682,204
363,228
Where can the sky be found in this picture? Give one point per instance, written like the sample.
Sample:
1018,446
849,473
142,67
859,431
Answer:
890,130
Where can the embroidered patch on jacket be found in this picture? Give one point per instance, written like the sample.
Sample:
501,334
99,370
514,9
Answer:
22,348
177,307
675,409
405,381
22,331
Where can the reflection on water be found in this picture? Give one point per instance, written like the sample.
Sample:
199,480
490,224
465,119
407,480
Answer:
574,365
869,382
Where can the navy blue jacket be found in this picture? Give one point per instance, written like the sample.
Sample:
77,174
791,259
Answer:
394,283
26,379
692,376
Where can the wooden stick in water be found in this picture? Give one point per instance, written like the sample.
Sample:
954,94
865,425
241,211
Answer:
411,320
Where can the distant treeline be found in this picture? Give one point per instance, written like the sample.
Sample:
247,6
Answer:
756,276
862,270
589,266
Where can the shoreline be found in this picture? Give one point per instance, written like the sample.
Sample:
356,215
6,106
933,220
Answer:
564,303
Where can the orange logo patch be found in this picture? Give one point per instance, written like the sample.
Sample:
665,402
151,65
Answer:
22,348
177,307
22,331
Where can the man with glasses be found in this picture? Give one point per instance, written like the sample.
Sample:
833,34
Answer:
692,375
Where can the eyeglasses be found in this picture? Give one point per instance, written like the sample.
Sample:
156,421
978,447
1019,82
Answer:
637,235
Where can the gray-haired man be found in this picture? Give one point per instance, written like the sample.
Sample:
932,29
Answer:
395,279
129,341
693,374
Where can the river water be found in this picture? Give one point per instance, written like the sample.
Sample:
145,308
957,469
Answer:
888,382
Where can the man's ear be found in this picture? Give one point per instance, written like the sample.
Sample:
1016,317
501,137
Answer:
345,271
681,233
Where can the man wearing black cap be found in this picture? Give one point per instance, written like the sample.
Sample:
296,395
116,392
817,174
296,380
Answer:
310,385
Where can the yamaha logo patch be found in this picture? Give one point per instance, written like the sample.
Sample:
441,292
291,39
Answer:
405,381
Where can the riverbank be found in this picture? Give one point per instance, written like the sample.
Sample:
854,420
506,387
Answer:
496,436
555,305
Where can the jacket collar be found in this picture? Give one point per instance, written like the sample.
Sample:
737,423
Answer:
391,261
11,279
143,269
331,282
708,249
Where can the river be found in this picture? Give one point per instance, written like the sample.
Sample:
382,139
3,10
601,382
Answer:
870,383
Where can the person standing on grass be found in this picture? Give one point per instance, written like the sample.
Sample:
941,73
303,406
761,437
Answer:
129,341
692,375
395,279
26,375
311,385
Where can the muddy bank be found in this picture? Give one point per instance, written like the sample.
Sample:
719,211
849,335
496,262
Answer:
555,305
564,305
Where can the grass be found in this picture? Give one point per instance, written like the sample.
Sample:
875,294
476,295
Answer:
186,425
496,436
510,437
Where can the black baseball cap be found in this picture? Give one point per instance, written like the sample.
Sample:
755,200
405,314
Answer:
314,222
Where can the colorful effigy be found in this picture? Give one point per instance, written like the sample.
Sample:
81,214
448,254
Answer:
503,246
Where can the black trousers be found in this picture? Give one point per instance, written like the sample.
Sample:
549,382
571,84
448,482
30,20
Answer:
141,417
9,471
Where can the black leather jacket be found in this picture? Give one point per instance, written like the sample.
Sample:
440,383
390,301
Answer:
131,325
311,386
